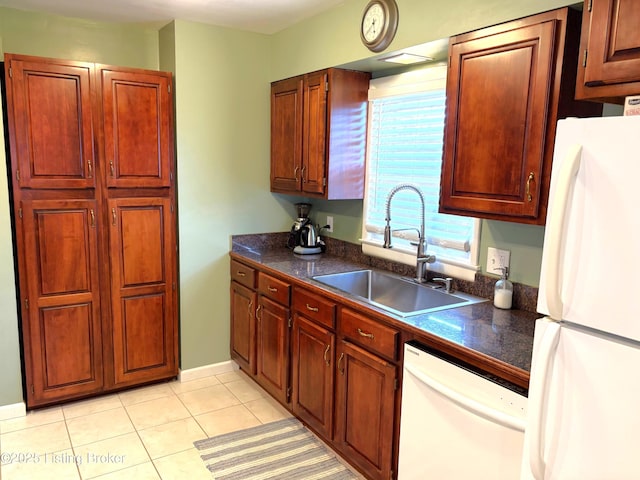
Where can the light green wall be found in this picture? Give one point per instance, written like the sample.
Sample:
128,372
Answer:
222,118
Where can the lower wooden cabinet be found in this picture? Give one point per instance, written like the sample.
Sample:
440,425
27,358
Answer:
62,328
335,368
144,331
313,358
365,407
272,348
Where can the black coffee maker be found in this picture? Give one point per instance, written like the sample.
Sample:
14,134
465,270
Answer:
298,235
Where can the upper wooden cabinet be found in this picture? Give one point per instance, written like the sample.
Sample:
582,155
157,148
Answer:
609,66
51,115
137,111
506,88
318,134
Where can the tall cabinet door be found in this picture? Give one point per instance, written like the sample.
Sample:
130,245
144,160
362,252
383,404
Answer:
142,253
315,132
62,333
50,123
286,135
137,113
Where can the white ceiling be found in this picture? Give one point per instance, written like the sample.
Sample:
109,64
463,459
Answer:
261,16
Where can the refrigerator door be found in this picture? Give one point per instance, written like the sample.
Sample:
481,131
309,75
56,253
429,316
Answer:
591,255
585,407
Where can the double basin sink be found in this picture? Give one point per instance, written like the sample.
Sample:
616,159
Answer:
394,294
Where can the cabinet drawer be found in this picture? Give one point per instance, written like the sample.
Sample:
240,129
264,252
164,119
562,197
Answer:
369,333
273,288
315,307
242,274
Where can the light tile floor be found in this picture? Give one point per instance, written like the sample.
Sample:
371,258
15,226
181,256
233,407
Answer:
145,433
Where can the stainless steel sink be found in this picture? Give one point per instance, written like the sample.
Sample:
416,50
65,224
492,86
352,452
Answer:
396,294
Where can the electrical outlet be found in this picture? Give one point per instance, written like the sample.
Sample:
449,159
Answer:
330,223
497,259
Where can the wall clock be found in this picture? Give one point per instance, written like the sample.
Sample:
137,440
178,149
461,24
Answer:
379,24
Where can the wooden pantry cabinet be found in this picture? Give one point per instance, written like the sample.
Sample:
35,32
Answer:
92,169
318,134
507,87
609,67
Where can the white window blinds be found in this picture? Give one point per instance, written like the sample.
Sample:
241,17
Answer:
405,142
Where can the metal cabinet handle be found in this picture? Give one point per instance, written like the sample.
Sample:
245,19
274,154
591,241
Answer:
241,274
250,308
89,168
295,173
341,370
312,309
111,168
258,316
529,180
114,218
326,360
93,217
272,289
365,334
303,179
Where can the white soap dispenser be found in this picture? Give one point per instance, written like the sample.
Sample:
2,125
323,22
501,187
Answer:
503,295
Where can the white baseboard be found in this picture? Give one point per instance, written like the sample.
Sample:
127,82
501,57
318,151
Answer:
13,410
207,371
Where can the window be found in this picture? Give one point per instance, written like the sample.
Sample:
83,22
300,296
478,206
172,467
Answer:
404,145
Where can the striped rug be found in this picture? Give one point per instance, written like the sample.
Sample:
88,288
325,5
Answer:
284,450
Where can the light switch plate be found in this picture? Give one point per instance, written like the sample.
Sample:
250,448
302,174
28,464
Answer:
497,259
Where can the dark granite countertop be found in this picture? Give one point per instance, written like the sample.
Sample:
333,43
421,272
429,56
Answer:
500,336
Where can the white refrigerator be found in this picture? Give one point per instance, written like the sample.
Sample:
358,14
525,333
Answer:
583,419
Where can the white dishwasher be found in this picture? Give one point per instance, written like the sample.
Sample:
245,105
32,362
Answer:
456,424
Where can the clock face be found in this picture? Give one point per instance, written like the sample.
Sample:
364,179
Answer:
379,24
373,22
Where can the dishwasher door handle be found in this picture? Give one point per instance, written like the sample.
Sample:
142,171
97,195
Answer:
467,403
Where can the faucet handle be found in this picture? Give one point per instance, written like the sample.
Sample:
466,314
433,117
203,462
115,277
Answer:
446,282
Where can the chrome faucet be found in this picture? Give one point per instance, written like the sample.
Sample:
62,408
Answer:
421,257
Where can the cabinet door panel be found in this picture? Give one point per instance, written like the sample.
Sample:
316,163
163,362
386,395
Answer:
50,119
243,327
273,348
614,43
61,321
137,128
313,374
286,135
142,248
365,403
315,132
499,88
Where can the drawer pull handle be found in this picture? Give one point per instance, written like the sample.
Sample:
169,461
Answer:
258,316
312,309
365,334
272,289
326,360
241,274
341,370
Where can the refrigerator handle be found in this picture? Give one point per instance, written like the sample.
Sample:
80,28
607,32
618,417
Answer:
540,374
555,230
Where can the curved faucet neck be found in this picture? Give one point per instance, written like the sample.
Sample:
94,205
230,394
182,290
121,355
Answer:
394,190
